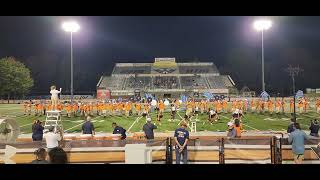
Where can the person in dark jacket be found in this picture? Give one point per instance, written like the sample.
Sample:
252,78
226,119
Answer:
314,128
88,127
37,131
148,129
119,130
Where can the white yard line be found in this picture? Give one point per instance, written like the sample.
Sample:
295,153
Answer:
134,123
78,124
243,124
179,115
251,127
26,125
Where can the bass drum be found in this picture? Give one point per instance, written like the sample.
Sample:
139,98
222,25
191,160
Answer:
9,130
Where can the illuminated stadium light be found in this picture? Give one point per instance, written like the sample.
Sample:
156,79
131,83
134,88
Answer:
70,26
261,25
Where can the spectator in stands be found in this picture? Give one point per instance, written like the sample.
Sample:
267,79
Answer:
58,156
291,126
314,128
119,130
88,127
231,130
52,138
41,155
297,138
37,131
148,129
181,137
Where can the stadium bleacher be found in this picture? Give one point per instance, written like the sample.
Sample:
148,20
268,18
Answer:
132,70
216,82
165,74
196,82
198,69
166,82
138,82
114,82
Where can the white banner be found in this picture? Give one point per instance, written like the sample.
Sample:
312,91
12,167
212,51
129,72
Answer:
76,97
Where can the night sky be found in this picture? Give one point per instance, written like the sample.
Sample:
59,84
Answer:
228,41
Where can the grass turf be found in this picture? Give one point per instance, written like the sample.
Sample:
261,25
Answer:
252,121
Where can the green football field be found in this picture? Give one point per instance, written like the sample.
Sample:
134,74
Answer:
252,121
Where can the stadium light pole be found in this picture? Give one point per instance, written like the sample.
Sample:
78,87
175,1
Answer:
294,71
262,25
71,27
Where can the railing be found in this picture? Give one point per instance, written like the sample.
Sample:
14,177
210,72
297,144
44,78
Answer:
216,150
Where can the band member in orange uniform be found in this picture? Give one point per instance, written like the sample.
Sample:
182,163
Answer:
138,108
75,108
270,106
291,106
318,105
68,109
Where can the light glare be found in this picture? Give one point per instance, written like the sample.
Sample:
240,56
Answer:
260,25
70,26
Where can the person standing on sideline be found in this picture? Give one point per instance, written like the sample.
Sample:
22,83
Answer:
314,128
119,130
37,131
232,133
296,138
88,127
181,137
148,129
291,126
52,139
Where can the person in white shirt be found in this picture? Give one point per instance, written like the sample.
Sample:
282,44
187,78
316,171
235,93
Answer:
54,96
52,139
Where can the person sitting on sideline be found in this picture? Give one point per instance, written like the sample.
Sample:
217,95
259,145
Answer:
58,156
231,130
37,131
119,130
88,127
41,155
52,139
296,138
148,129
181,137
314,128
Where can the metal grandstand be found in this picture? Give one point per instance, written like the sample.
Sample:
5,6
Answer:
165,77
